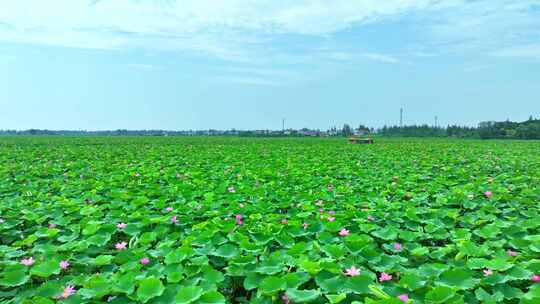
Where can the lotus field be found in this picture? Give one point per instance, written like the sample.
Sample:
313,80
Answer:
242,220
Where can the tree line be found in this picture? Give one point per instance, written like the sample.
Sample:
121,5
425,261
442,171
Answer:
529,129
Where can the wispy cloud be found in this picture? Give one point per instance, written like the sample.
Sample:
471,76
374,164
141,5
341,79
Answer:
483,26
249,80
247,31
350,56
531,51
216,26
144,67
380,57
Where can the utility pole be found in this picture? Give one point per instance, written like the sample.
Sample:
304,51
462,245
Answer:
283,125
401,117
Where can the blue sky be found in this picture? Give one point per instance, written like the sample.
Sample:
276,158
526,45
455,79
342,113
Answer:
166,64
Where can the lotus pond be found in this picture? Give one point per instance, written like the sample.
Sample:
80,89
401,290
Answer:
237,220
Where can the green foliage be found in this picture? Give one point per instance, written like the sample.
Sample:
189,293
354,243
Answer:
292,198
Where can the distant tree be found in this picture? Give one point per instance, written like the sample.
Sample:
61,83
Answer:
346,131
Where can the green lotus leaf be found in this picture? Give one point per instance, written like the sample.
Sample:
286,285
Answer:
149,288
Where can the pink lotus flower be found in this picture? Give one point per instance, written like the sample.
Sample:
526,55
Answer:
398,246
169,209
121,245
68,291
231,189
28,262
145,261
404,298
385,277
137,174
305,225
370,218
488,272
174,219
331,212
239,222
352,272
121,225
512,253
331,219
285,299
488,194
535,278
238,217
344,232
64,264
321,210
52,225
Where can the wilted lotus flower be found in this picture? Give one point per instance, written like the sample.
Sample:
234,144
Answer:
470,196
385,277
305,225
285,221
352,272
330,187
318,202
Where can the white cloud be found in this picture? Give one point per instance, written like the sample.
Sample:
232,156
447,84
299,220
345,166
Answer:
483,25
242,30
211,25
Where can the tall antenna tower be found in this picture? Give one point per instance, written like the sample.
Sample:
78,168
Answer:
283,125
401,117
436,122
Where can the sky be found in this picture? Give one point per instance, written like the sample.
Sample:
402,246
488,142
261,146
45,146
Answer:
246,64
